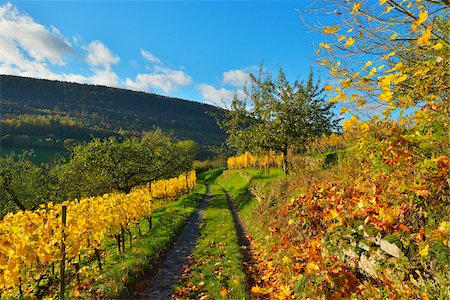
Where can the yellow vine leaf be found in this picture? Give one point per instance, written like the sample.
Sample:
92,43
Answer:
330,29
382,2
394,36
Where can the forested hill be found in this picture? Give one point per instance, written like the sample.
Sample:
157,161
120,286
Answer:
63,110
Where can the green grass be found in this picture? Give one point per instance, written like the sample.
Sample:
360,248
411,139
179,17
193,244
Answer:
217,269
122,271
238,182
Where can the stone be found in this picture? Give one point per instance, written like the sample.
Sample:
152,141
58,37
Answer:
389,248
368,265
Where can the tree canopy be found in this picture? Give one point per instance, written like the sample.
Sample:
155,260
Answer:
104,165
278,115
387,54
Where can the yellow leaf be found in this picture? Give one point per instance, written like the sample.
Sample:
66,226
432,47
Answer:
444,227
328,87
352,122
311,268
350,41
382,2
325,46
356,7
257,291
438,46
330,30
400,79
341,37
394,36
334,100
424,39
223,292
344,110
285,292
334,214
286,260
386,96
423,15
326,62
361,102
424,251
291,221
368,64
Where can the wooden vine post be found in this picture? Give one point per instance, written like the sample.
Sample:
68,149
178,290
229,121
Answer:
62,286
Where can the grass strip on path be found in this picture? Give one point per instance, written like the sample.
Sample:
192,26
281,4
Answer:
122,271
216,268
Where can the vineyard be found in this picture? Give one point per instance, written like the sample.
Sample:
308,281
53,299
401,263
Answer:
334,190
42,244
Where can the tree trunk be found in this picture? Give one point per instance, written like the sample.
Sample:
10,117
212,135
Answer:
285,160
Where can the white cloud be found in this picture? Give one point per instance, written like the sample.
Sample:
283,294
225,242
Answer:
30,49
21,32
221,97
100,55
162,78
236,78
150,57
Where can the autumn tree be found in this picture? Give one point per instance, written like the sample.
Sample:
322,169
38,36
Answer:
101,166
278,115
23,185
387,54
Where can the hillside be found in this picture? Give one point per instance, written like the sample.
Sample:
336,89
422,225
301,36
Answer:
42,113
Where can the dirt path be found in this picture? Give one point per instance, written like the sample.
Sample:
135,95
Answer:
159,285
244,243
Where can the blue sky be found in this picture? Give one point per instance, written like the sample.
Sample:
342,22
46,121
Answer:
200,51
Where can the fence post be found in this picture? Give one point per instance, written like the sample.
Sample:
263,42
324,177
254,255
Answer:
62,286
